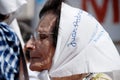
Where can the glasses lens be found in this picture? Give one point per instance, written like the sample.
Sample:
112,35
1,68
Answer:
36,35
41,36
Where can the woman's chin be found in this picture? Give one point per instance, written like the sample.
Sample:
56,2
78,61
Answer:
36,67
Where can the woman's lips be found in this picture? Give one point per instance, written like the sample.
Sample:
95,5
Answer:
35,59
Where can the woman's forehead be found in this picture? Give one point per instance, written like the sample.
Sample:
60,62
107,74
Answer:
47,22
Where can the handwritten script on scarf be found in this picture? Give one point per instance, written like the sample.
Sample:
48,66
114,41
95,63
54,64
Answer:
76,22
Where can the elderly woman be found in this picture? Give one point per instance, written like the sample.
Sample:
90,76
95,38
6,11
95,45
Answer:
69,44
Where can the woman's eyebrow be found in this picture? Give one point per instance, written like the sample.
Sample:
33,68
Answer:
44,32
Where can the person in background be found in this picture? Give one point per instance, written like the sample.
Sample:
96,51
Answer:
10,45
70,44
16,28
12,21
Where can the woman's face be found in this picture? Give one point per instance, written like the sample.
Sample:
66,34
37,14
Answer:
41,44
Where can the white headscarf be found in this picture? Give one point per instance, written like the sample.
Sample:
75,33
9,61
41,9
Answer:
9,6
83,46
12,7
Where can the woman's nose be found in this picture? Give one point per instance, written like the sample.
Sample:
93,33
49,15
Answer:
30,45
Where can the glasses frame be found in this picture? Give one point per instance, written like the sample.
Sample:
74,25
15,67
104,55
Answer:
36,35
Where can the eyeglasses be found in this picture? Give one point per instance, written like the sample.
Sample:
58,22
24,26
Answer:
41,36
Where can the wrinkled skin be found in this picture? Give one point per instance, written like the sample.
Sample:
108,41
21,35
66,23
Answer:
42,51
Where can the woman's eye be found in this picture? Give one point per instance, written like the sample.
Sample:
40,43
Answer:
43,36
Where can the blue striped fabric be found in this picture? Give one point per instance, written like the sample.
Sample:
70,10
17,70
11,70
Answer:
9,53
